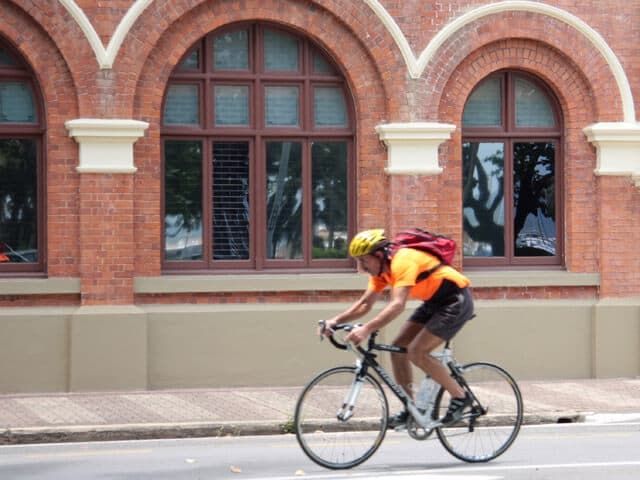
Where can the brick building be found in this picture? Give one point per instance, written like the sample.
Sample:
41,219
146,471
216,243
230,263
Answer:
179,180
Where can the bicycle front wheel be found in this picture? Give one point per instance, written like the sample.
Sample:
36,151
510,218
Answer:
489,427
329,432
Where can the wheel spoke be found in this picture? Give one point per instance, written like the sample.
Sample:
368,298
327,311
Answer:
482,437
324,436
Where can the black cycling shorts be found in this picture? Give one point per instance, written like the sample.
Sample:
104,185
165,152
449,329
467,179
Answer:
446,316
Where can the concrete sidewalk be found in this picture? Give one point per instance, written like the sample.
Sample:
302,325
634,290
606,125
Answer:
39,418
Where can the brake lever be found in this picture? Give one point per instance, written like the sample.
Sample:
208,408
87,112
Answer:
323,328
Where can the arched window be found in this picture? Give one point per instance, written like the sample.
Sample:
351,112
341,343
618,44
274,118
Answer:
511,153
257,140
21,170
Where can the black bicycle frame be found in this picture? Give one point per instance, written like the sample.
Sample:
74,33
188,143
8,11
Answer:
369,360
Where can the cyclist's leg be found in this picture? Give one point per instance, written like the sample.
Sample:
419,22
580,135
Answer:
446,318
400,361
402,369
419,353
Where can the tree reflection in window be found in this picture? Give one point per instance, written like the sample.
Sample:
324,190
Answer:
510,173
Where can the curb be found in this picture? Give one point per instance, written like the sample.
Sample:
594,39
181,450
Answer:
156,431
104,433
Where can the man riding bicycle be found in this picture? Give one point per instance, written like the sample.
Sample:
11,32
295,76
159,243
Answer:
447,306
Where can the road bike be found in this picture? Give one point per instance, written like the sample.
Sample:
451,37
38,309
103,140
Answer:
341,416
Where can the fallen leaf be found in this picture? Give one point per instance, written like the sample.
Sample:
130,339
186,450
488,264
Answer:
235,469
300,473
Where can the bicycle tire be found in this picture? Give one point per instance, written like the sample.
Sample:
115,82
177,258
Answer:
329,441
483,437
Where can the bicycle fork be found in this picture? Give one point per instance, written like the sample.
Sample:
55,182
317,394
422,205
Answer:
346,409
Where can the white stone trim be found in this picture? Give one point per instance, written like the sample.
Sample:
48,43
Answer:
618,148
413,147
106,145
416,66
106,57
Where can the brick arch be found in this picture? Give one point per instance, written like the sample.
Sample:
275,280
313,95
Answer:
552,66
317,24
573,93
58,94
550,35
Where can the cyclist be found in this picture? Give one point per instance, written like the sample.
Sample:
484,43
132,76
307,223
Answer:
447,305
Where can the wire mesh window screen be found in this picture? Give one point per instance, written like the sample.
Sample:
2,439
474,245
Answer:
230,199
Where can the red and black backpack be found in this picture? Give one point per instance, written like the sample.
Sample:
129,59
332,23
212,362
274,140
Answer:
441,246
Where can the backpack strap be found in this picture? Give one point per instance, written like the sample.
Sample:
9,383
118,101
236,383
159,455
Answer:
427,273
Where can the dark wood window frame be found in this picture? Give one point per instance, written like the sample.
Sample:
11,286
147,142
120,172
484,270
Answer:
257,134
34,131
509,134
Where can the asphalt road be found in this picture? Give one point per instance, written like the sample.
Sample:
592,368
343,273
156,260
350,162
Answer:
567,451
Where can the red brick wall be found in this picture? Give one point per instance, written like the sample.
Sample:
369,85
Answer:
106,228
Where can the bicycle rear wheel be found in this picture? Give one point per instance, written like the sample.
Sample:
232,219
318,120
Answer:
489,427
327,439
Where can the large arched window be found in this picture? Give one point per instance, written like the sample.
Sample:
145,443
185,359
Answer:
21,171
257,145
511,152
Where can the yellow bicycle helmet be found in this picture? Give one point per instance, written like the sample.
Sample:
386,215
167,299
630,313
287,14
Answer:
367,242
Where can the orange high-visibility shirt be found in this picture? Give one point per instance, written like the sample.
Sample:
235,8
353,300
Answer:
405,267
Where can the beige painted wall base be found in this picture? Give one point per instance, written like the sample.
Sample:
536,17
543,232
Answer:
616,339
34,349
108,349
199,346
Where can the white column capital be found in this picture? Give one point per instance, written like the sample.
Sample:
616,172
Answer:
106,145
413,147
618,148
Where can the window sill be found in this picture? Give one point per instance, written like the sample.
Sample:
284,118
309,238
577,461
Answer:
290,282
39,286
250,283
532,278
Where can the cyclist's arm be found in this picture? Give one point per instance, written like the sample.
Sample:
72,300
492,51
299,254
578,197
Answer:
394,308
360,307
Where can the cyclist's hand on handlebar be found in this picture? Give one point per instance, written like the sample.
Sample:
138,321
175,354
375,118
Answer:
326,328
357,335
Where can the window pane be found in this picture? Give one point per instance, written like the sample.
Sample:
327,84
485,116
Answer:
281,106
532,106
191,62
484,105
329,107
6,59
329,183
230,200
231,51
183,200
16,103
284,200
182,107
483,199
320,65
280,52
534,199
18,201
232,105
